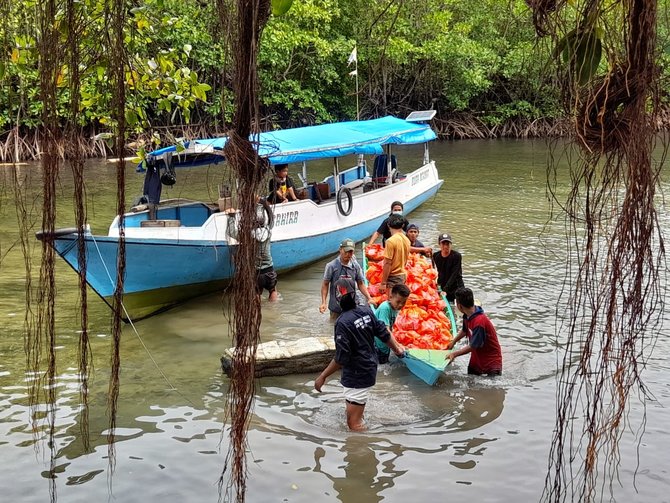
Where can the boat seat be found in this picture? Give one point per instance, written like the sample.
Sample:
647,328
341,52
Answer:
160,223
354,184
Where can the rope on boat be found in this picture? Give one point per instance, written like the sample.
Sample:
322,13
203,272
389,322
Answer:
137,334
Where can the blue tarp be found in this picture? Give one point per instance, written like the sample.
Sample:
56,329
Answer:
317,142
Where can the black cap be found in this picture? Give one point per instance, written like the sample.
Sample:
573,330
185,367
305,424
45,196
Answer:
444,237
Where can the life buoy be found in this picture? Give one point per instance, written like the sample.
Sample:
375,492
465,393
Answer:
350,206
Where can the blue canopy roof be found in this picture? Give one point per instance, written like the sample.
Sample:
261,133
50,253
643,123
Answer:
311,142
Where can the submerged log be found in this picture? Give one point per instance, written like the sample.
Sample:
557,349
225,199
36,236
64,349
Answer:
276,358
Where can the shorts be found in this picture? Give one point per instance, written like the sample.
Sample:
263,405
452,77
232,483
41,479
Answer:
357,396
398,279
266,280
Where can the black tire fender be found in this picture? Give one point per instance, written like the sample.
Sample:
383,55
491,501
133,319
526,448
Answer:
347,193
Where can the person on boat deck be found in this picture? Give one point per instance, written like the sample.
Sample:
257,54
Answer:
383,230
387,312
449,264
281,186
396,253
343,266
416,246
355,354
483,345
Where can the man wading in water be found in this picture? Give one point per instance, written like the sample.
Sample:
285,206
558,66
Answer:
355,352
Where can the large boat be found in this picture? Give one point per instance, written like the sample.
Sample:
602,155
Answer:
179,249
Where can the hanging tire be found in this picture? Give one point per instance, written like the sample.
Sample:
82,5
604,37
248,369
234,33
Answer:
344,191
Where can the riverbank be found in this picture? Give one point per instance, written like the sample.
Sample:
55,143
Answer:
18,145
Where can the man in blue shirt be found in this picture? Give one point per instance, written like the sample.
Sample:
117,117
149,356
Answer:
355,353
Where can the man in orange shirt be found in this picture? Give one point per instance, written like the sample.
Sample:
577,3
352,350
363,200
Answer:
396,253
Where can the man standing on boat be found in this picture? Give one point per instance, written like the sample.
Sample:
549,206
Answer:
355,353
344,266
483,345
449,264
396,253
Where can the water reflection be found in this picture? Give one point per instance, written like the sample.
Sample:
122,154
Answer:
363,466
360,479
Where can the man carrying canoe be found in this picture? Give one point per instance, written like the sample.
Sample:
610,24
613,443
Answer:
355,353
483,345
449,267
343,266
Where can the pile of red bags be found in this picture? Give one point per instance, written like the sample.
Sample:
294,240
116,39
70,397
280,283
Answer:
422,323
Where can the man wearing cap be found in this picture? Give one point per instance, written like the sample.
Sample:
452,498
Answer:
416,246
396,253
355,353
344,266
449,267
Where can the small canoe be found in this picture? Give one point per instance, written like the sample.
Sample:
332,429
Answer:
427,364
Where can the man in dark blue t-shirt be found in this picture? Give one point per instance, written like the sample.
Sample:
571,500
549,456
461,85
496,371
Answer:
355,352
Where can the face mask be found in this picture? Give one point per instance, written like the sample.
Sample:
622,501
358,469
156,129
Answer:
397,212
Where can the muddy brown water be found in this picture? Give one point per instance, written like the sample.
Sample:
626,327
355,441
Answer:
464,439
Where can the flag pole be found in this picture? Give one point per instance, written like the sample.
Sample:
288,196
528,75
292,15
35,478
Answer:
353,58
358,114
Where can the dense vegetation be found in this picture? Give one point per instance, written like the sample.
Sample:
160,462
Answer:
476,63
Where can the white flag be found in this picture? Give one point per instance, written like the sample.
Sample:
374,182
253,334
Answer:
355,72
352,57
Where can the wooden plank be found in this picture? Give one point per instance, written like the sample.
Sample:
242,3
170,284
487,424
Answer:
275,358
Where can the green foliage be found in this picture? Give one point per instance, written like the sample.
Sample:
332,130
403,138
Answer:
280,7
456,56
161,86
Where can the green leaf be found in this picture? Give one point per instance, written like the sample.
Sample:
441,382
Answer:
589,53
131,117
281,7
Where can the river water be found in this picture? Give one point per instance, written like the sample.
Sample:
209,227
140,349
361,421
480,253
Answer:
464,439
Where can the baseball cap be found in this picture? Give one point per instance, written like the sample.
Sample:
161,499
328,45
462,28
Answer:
412,226
344,286
444,237
348,245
